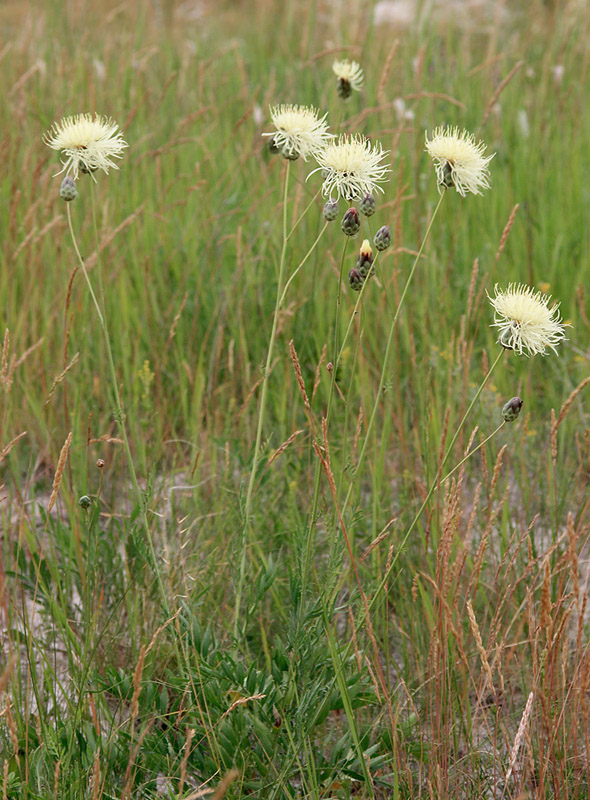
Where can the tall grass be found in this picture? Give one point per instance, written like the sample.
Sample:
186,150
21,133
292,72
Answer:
366,662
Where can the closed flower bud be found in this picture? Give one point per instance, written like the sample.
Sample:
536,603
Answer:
273,146
368,205
330,211
85,502
67,190
356,280
512,409
290,155
351,222
382,238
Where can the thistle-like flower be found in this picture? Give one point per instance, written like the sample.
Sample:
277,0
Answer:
525,321
299,131
352,167
459,161
89,143
350,76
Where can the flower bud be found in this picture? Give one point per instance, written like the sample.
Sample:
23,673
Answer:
330,211
273,146
512,409
289,154
344,88
100,463
67,190
356,280
368,205
382,238
85,502
351,222
365,259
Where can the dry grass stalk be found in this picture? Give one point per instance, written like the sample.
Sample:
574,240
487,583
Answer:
299,376
95,778
479,644
4,367
5,781
546,620
132,756
503,84
160,629
505,233
6,450
177,316
60,377
56,779
472,285
137,686
449,619
384,533
566,406
519,735
241,701
318,372
91,261
385,72
61,464
553,438
283,447
253,390
357,434
187,750
27,353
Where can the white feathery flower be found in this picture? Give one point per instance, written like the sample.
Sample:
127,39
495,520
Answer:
349,73
351,167
89,143
300,131
525,321
459,161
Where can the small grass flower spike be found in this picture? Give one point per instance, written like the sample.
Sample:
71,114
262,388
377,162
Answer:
88,143
350,77
459,161
300,131
352,167
525,321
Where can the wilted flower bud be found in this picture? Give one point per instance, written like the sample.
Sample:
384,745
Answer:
512,409
100,463
273,146
85,502
368,205
330,211
67,190
382,238
356,280
344,88
365,258
351,222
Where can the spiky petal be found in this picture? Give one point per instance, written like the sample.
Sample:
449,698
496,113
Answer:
88,143
525,320
459,160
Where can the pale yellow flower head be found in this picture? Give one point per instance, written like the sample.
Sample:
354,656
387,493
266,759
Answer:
88,143
352,167
349,73
525,320
299,131
459,161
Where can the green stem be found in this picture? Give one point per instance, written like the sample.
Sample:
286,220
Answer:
262,409
119,413
433,486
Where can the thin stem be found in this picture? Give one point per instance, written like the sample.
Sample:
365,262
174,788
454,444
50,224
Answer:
433,486
262,408
119,413
471,452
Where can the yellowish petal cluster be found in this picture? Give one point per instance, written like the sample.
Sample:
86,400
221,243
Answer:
459,160
352,167
88,143
299,131
525,320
